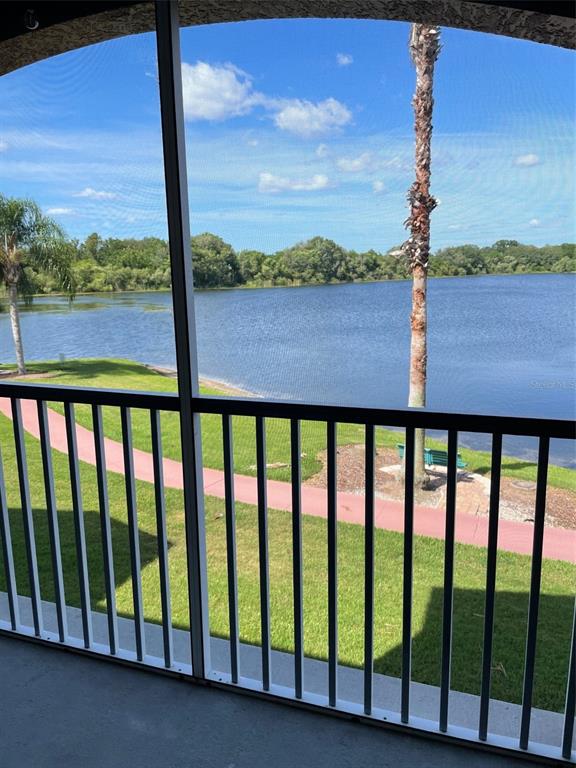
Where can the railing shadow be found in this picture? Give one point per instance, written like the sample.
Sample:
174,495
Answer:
509,644
120,546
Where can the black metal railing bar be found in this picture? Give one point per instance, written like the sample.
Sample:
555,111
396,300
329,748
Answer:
105,528
29,535
263,550
53,532
133,539
332,531
297,575
228,455
369,456
8,554
535,580
162,537
492,555
449,538
79,528
407,576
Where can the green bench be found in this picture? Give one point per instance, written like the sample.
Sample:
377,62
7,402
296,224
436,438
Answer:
434,458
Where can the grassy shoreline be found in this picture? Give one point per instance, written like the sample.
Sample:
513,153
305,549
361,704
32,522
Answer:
126,374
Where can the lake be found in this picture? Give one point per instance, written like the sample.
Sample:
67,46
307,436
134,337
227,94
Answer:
497,344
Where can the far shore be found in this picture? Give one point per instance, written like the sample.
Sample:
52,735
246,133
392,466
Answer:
60,294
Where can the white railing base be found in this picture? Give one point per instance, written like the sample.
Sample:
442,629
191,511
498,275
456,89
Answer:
546,726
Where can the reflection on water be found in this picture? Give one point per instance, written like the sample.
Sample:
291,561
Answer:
500,345
61,307
65,305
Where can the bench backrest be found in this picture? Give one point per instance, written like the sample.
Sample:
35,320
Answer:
440,458
434,456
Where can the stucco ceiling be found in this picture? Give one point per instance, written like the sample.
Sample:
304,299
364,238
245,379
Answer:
63,26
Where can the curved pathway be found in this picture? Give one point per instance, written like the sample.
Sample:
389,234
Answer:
559,543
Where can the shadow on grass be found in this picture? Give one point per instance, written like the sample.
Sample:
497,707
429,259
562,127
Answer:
85,369
512,466
509,643
120,547
89,369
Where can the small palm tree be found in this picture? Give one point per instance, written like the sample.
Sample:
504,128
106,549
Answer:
28,238
424,50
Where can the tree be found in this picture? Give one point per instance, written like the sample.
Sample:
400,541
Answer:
91,247
215,262
424,50
317,260
503,245
250,265
29,239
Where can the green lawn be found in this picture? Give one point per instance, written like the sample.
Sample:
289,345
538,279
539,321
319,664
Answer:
511,604
124,374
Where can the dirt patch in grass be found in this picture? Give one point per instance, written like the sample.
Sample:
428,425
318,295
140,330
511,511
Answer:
517,497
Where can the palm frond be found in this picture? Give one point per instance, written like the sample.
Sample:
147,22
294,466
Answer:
26,287
28,237
53,255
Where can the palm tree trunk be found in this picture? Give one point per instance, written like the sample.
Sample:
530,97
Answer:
15,323
418,360
424,49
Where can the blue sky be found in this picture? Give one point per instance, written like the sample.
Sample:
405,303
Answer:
299,128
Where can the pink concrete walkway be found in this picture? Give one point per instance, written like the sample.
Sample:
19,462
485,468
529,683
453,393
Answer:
559,544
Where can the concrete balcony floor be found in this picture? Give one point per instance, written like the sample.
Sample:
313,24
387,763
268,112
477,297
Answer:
61,709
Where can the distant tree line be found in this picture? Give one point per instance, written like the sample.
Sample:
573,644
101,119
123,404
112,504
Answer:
126,264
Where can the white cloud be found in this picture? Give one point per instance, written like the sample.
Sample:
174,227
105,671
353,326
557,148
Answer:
534,222
59,211
454,226
268,182
305,118
217,92
527,160
378,187
95,194
344,59
3,145
355,164
321,150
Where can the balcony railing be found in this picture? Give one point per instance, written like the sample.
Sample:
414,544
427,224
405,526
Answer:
197,665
